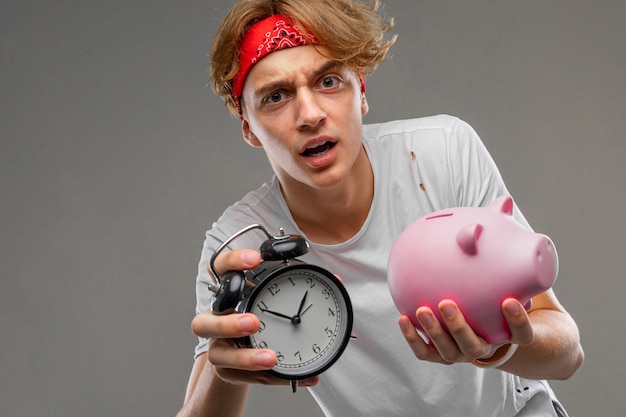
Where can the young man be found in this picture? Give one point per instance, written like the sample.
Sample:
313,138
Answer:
292,70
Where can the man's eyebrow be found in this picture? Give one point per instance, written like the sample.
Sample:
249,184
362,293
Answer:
277,85
327,67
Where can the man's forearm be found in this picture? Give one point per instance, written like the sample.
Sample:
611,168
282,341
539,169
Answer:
208,395
555,352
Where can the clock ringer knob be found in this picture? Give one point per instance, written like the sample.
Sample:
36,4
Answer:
281,248
229,293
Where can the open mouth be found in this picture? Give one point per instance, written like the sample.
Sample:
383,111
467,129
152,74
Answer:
318,150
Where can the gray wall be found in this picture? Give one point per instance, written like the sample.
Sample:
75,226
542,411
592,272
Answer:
115,157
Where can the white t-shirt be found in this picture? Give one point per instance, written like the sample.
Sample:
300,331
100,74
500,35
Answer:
420,166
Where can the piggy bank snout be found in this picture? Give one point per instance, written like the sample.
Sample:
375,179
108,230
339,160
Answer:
546,261
531,264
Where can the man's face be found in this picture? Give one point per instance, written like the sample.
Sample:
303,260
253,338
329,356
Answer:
306,111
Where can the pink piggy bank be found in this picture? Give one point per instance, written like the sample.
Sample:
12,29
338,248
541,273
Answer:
475,256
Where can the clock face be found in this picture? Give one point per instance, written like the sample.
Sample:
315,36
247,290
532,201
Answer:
306,318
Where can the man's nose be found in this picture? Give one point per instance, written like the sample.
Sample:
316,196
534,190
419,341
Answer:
309,110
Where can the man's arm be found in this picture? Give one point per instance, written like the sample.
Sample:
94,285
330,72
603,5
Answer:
555,351
208,395
220,378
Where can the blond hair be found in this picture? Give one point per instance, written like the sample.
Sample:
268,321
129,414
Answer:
351,32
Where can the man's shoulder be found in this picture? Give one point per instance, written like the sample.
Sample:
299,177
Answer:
419,124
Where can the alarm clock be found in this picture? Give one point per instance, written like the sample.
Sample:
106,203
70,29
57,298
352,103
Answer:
305,312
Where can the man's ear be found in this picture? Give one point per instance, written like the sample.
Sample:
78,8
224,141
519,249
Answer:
364,106
248,136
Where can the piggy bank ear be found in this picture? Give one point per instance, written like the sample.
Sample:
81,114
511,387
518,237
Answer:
467,238
503,205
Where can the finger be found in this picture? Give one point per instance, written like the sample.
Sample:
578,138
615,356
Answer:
237,365
440,338
522,332
237,260
420,347
223,354
310,382
470,345
209,325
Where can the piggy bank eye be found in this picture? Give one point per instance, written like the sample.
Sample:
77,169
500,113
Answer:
439,215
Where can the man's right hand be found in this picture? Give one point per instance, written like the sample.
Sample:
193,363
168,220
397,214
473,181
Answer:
237,365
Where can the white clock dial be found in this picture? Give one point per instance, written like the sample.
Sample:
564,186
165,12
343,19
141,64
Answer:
305,318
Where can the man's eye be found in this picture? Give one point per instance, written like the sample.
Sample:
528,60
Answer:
273,98
329,82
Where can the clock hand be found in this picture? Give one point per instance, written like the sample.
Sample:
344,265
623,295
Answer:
306,309
277,314
302,303
296,319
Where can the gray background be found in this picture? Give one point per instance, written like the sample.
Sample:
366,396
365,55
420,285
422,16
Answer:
115,157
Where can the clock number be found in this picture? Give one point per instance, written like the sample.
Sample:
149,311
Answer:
280,357
261,326
293,284
316,349
273,289
263,344
329,332
326,293
331,313
298,355
310,282
262,306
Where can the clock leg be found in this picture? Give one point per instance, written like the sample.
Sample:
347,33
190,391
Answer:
294,386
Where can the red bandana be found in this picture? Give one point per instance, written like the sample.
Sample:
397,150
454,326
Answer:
264,37
269,35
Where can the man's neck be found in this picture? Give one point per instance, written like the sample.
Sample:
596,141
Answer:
334,214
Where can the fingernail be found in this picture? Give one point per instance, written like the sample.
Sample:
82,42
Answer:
404,325
448,311
264,358
426,319
249,258
246,324
512,309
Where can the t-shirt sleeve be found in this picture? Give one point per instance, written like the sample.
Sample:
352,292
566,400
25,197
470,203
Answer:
476,178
